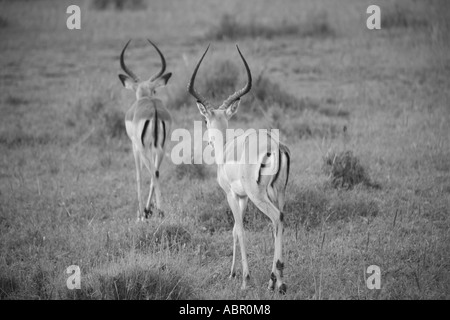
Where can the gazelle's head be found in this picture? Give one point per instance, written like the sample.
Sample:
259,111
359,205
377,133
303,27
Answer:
148,87
217,117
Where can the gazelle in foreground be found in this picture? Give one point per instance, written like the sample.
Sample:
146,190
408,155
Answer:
242,180
147,123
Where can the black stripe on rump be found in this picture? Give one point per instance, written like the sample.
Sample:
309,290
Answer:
155,141
164,133
144,130
288,167
279,167
263,165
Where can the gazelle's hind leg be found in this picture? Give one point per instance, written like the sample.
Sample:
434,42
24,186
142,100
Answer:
147,209
152,163
276,216
158,159
238,206
137,160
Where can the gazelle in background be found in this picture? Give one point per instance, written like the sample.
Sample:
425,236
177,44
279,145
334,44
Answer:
242,180
147,123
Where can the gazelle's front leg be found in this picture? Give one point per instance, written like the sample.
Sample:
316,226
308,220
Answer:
238,206
137,160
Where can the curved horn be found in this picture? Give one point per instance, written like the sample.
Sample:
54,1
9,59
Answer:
163,62
191,88
124,67
238,94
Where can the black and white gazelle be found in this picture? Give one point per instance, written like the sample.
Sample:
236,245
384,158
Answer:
147,123
242,179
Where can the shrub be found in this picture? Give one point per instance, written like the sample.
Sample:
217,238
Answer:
16,101
18,138
119,4
224,79
4,23
345,170
230,28
401,17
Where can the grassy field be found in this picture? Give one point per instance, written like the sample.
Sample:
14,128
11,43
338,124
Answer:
67,176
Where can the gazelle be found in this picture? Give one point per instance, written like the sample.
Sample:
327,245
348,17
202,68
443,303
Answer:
147,123
242,180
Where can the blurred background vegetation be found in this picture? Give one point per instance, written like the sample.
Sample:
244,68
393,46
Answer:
365,114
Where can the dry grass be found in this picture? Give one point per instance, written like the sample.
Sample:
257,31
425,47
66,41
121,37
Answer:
67,191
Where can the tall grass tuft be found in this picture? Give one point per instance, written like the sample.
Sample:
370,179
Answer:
133,282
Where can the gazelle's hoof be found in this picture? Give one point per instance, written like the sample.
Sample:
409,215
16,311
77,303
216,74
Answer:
282,289
147,213
272,281
138,217
245,284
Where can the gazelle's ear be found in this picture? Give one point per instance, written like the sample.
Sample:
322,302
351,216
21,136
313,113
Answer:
162,81
232,109
127,82
203,110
